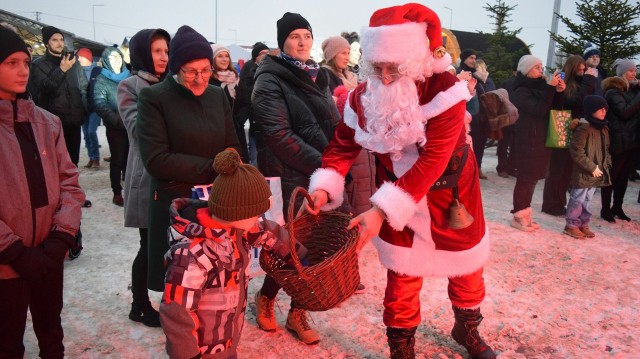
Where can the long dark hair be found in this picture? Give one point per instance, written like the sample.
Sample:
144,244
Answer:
571,77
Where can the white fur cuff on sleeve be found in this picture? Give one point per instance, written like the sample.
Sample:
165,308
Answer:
397,204
331,181
446,99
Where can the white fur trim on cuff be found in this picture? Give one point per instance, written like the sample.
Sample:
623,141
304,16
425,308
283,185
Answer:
329,180
446,99
397,204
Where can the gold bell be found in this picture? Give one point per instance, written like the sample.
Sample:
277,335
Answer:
459,218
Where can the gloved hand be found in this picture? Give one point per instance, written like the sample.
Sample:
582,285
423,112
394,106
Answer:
56,245
30,262
597,172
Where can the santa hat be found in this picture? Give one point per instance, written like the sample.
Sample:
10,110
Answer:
403,33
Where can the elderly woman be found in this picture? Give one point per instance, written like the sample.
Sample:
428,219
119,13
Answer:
182,124
149,49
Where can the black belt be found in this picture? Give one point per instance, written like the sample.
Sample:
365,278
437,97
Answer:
451,174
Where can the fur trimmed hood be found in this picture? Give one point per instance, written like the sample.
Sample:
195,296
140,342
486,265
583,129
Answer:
615,83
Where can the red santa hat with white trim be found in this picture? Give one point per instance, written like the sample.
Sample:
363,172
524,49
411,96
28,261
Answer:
410,32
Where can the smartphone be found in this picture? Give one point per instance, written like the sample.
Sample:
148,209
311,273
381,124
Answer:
67,53
562,75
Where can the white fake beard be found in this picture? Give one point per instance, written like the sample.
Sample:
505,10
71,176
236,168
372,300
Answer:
393,118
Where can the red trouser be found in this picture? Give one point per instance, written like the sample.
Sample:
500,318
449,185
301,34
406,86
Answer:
402,296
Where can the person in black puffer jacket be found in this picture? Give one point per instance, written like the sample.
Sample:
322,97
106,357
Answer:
105,104
295,116
534,98
623,96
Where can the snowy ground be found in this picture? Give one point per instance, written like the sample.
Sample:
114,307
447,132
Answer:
548,295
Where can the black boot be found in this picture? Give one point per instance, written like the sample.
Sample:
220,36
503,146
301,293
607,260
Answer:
465,332
401,342
606,214
145,314
618,212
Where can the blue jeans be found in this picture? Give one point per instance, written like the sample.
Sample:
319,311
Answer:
253,151
578,211
90,132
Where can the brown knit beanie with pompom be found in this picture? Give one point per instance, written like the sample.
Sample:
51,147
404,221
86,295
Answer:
240,191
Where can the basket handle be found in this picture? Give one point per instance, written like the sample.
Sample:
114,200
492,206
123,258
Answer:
292,239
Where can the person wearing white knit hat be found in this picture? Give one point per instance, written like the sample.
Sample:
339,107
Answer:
409,112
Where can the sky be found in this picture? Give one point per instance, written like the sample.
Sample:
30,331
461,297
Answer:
245,21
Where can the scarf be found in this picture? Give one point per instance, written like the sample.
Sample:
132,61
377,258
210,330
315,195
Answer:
310,66
113,76
229,79
595,122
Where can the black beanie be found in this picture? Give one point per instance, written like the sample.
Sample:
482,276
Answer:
593,103
466,53
187,45
289,22
11,43
257,48
48,31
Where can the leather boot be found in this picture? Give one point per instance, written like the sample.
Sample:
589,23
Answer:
145,314
465,333
401,342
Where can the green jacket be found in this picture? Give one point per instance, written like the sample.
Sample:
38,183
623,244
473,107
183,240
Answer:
179,134
590,148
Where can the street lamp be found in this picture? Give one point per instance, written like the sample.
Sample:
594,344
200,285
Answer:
93,10
450,16
236,34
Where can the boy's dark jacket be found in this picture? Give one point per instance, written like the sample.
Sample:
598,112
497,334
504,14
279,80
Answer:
590,148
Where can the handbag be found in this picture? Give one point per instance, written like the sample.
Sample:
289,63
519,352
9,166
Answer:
558,132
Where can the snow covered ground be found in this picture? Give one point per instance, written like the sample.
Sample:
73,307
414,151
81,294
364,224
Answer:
548,295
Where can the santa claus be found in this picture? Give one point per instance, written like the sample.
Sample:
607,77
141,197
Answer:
410,113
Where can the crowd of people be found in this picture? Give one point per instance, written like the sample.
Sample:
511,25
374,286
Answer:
387,131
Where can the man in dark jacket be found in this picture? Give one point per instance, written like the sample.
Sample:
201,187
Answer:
295,116
242,110
58,84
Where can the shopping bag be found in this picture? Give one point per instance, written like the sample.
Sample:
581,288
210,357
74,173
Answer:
558,132
274,214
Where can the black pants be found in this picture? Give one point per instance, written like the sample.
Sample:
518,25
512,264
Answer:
479,138
505,152
119,147
44,300
621,166
73,139
270,289
139,272
554,196
523,194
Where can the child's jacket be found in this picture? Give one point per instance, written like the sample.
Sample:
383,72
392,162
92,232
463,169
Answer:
590,148
202,309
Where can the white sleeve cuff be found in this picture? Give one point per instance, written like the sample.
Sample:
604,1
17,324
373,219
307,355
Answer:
396,203
329,180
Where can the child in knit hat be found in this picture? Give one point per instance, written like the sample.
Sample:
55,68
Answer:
202,309
592,162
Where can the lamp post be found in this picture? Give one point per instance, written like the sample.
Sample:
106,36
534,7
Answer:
216,21
450,16
93,10
236,34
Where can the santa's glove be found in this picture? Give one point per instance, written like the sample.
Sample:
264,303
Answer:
57,244
29,262
597,172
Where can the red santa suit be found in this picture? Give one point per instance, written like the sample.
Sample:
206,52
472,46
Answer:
415,240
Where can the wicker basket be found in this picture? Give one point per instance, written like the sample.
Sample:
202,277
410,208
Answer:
332,272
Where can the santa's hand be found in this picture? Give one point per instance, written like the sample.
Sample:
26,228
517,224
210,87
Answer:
368,224
597,172
319,197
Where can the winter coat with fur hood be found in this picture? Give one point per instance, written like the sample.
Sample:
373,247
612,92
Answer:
623,115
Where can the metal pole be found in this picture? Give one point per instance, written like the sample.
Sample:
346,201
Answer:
554,30
93,10
216,21
450,16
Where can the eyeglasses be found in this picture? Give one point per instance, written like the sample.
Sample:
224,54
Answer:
191,74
